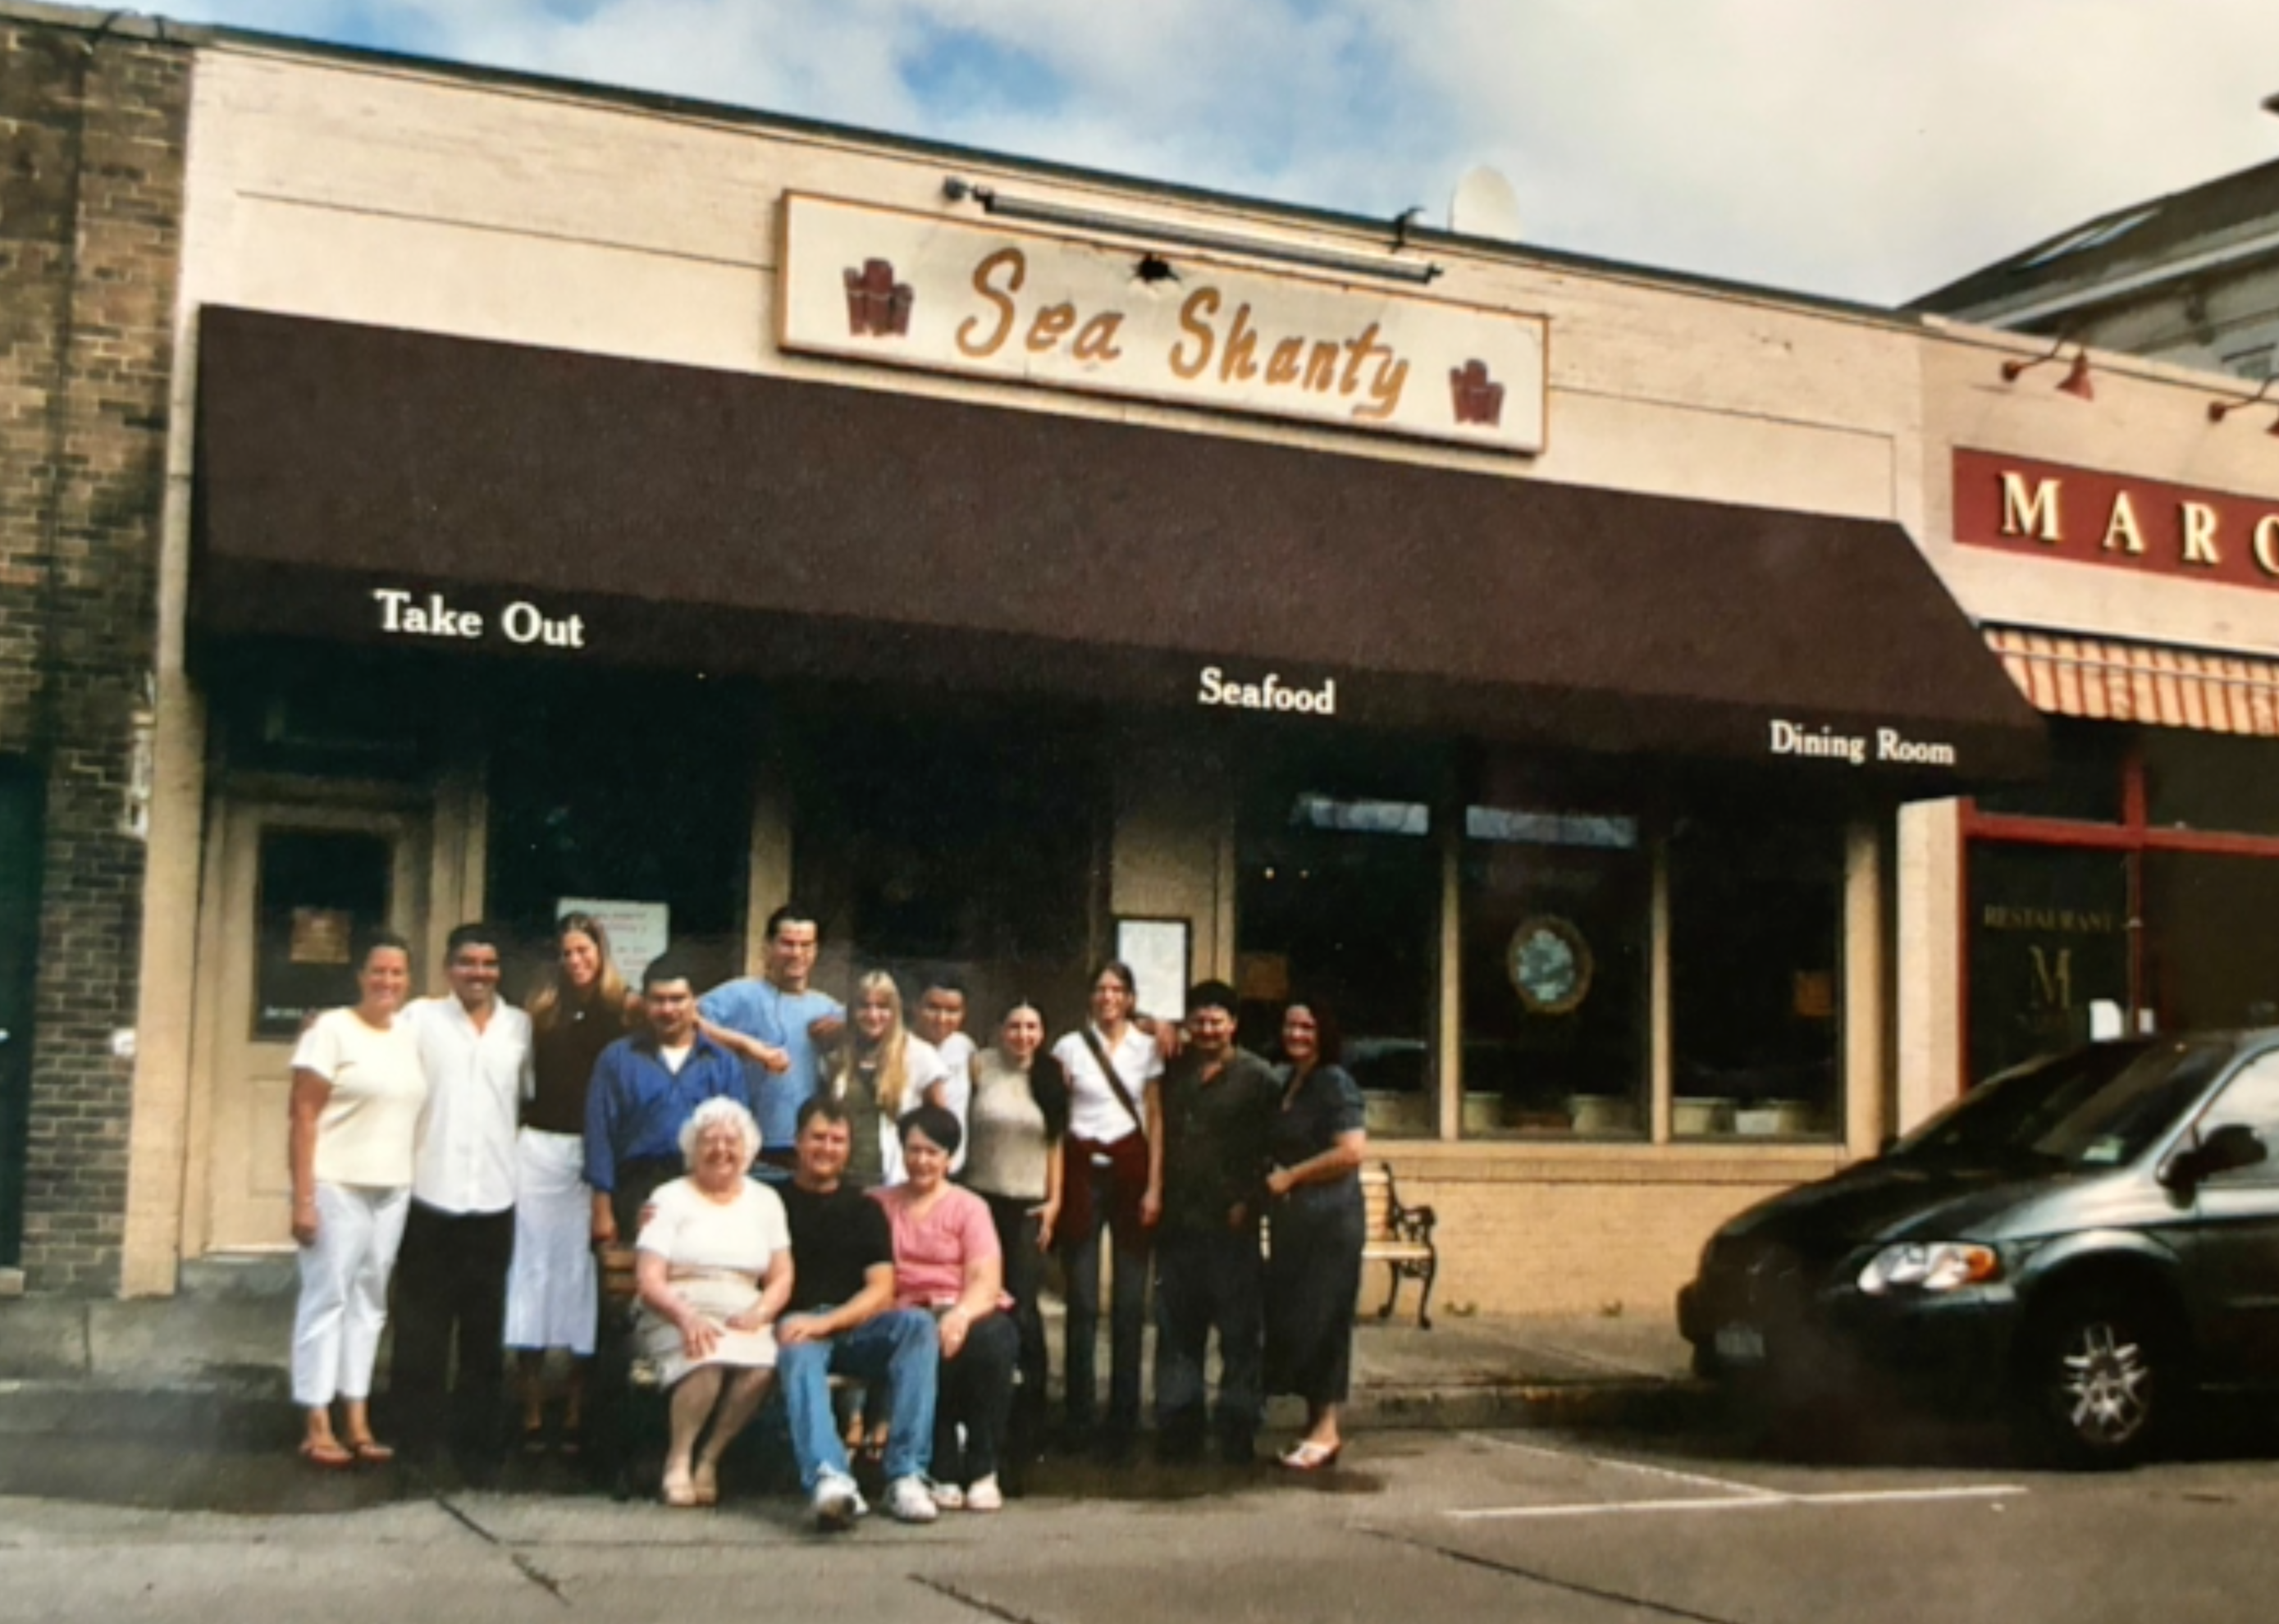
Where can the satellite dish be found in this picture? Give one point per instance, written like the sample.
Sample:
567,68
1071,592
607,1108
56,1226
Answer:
1484,206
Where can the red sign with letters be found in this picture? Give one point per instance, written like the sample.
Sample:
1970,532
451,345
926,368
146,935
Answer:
2048,510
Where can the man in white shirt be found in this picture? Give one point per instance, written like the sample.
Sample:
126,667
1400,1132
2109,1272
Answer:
458,1240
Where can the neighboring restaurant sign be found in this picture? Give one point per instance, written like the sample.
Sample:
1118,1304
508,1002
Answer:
954,295
2048,510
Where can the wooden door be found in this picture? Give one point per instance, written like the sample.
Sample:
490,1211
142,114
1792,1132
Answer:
296,887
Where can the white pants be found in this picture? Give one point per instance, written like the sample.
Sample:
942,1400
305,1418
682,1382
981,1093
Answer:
344,1292
549,1289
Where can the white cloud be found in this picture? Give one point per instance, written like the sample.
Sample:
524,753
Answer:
1833,146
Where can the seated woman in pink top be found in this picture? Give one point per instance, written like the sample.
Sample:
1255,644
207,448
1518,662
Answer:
947,1261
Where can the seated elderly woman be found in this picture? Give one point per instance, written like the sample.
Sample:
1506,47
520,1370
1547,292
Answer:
947,1261
714,1272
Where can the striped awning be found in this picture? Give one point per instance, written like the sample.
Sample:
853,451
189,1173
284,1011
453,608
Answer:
2141,682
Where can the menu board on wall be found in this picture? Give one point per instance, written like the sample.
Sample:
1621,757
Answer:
1156,950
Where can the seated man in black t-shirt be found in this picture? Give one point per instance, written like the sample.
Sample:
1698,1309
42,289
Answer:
842,1321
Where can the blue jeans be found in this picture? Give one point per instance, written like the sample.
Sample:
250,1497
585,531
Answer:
900,1348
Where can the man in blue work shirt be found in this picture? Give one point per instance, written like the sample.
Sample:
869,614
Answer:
776,1022
644,1088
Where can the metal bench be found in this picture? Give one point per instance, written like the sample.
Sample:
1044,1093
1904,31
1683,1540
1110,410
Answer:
1399,1237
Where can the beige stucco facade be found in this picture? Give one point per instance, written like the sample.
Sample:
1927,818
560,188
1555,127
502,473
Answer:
381,194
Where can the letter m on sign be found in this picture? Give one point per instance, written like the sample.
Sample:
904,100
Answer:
2030,512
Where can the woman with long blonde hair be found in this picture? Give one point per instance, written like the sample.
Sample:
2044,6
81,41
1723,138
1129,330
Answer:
581,1008
880,1071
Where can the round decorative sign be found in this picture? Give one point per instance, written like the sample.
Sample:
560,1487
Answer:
1549,964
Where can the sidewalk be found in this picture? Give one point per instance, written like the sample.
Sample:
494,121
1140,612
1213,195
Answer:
219,1352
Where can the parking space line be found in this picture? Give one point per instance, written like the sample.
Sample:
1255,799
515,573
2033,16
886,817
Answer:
1761,1501
1670,1474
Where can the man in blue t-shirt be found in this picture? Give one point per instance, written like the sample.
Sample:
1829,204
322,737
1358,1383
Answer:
777,1023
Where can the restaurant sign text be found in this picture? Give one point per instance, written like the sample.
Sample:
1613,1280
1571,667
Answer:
958,295
2084,516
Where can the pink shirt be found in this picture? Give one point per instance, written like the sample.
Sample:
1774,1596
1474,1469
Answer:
930,1252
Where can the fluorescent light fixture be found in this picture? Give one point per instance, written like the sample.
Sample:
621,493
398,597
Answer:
1150,234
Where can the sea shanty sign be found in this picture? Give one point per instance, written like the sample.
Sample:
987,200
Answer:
965,296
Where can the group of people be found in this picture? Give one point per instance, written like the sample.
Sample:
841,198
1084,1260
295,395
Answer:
811,1191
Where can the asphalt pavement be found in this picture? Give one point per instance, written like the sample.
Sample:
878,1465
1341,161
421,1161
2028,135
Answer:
1554,1525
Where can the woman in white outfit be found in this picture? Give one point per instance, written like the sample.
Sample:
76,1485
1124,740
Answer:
582,1009
714,1272
358,1090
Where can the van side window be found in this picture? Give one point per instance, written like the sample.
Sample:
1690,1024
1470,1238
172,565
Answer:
2251,1097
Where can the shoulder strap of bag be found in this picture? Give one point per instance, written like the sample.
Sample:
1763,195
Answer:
1114,1079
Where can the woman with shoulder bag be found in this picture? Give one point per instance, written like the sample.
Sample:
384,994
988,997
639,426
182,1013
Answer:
1112,1180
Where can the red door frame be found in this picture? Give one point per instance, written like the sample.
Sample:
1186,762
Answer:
2134,835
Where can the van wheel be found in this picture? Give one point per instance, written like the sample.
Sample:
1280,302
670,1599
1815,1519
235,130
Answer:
2102,1381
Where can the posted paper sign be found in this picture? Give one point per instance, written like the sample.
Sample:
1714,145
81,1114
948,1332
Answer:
638,931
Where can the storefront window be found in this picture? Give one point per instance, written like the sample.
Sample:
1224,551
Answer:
954,840
630,791
1756,916
2211,940
2209,782
321,892
2048,930
1338,898
1556,927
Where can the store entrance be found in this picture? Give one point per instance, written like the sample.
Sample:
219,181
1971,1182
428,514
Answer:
296,887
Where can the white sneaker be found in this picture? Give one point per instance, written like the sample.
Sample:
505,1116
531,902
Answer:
836,1503
984,1494
908,1501
947,1497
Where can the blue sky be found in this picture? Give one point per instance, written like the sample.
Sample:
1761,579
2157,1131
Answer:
1864,148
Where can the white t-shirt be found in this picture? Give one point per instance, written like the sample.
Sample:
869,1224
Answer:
475,1083
922,1065
957,1051
689,1229
371,1120
1094,1112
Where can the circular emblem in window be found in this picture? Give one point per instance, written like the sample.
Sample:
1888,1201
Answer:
1549,964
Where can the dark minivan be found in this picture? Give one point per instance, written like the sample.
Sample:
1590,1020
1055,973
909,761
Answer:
2085,1240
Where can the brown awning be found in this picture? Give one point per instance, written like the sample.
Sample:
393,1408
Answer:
731,521
2141,682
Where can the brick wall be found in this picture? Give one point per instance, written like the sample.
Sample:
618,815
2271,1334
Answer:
1615,1234
92,126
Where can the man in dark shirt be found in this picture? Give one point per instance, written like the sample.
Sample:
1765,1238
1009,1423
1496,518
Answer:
841,1321
1218,1104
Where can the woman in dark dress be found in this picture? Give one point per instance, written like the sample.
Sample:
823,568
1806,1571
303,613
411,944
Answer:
1314,1274
582,1008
